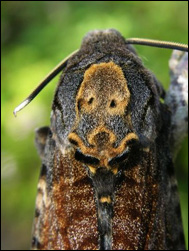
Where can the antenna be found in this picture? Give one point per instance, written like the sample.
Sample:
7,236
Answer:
43,83
158,43
62,64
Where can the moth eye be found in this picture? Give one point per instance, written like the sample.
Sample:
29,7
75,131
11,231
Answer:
113,103
90,101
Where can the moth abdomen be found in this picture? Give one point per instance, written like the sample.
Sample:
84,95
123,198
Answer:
104,186
105,214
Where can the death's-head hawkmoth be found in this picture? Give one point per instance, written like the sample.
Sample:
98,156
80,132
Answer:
107,179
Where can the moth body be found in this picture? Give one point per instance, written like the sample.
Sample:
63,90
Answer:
107,179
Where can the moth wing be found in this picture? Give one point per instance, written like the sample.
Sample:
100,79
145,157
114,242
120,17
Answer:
42,206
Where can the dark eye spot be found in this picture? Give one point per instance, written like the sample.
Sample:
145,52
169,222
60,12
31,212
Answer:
120,157
74,142
79,104
90,101
113,103
86,159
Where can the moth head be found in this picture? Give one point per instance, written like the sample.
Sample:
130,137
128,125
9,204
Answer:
105,97
105,103
110,39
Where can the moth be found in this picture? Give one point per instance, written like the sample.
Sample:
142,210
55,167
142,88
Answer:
107,178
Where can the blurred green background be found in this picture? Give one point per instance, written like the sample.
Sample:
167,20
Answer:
37,35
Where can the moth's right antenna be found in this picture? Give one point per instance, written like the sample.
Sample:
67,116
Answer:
43,83
158,43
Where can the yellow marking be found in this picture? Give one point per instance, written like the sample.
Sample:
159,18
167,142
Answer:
104,155
147,149
123,143
115,170
42,193
105,199
75,137
92,169
42,184
103,159
102,84
39,200
93,151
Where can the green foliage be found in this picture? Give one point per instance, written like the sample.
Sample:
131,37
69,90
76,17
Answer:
36,35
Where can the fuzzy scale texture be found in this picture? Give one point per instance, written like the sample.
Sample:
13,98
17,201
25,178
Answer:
107,180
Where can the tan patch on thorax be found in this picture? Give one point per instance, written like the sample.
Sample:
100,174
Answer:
103,90
106,199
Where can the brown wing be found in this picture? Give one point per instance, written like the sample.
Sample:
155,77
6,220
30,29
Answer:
65,215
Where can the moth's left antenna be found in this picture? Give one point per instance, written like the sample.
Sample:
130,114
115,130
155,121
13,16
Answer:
43,83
